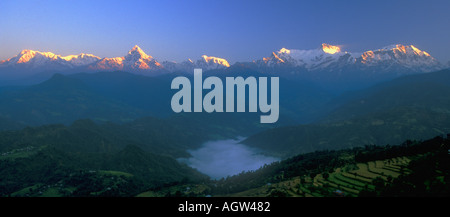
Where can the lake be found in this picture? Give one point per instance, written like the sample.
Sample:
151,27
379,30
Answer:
224,158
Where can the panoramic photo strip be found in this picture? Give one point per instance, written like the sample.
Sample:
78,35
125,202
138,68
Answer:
225,107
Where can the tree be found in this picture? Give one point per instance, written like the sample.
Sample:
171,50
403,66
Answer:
389,178
379,184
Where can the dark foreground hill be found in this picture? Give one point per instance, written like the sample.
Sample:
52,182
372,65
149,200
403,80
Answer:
52,172
77,160
411,169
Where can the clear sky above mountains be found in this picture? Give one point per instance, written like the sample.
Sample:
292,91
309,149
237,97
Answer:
235,30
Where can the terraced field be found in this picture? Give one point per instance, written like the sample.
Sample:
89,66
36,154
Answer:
341,182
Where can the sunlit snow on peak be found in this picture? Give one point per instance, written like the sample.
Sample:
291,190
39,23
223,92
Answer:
284,50
216,60
330,49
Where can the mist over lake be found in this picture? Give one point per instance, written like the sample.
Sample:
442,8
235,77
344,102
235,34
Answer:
224,158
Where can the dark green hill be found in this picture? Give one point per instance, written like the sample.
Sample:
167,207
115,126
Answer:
413,107
61,100
152,168
123,173
390,127
423,91
8,124
149,94
85,136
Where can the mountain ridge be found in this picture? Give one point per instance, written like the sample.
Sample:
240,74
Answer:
136,60
328,66
398,57
323,58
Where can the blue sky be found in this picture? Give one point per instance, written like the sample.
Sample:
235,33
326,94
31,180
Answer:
236,30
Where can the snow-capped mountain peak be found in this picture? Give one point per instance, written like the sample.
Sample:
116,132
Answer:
330,49
135,60
311,59
136,51
215,61
284,50
408,49
35,59
28,55
407,56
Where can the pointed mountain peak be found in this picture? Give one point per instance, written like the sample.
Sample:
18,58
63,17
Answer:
330,49
136,50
